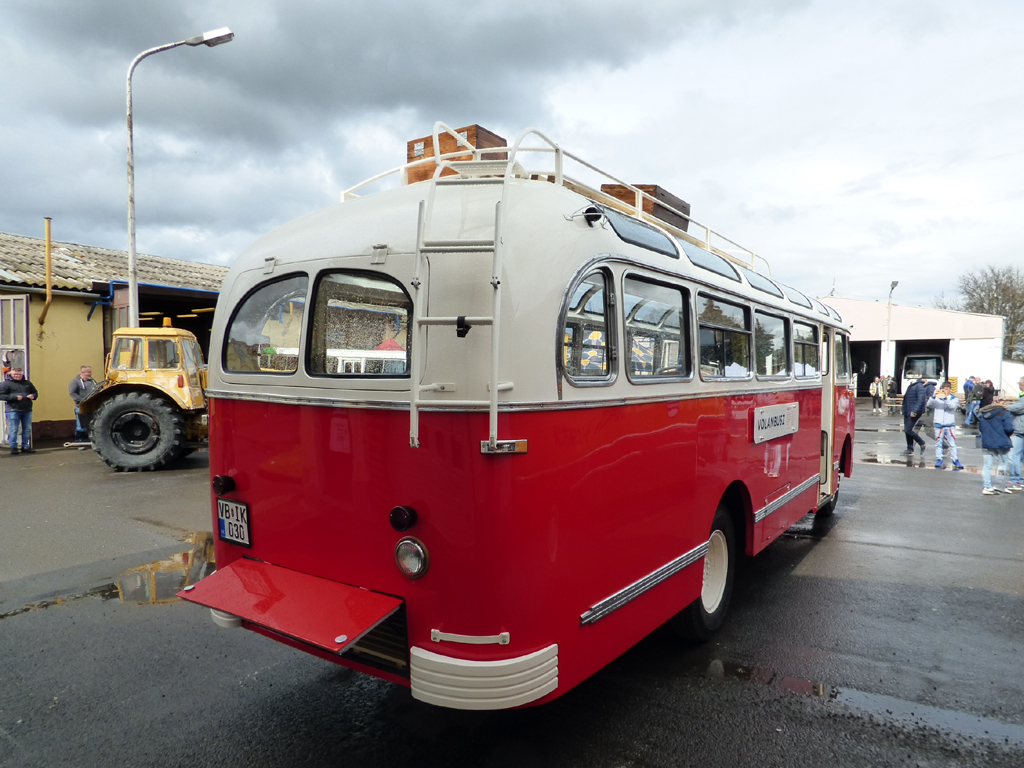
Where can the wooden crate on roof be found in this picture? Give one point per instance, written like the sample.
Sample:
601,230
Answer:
653,207
476,135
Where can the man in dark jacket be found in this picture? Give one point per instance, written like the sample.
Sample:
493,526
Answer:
79,389
19,393
914,400
996,427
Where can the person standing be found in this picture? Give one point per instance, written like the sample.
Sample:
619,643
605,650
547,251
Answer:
79,389
890,392
996,427
1016,409
19,393
945,404
876,394
914,401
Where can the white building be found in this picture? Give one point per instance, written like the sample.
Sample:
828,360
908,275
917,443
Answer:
882,335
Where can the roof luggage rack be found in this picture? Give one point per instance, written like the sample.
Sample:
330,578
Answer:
470,165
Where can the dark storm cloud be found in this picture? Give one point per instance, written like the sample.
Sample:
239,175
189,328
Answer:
307,63
233,140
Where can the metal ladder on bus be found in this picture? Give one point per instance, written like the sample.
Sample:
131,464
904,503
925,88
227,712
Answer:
470,173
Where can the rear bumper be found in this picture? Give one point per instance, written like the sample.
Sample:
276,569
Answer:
464,684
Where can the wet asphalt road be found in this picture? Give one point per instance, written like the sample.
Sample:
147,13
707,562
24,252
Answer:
893,634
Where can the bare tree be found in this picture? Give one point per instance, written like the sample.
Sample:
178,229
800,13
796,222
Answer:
993,291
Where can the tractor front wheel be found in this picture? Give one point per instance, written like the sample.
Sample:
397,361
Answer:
138,431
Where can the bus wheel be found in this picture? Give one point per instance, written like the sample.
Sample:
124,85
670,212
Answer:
699,621
137,431
826,509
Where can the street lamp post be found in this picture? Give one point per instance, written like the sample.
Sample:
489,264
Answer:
210,39
888,326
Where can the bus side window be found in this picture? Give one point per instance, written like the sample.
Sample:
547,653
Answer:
805,349
724,339
771,345
585,343
263,336
657,336
842,357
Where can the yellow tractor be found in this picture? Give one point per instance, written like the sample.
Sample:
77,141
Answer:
150,410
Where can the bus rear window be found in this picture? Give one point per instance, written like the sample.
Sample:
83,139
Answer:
360,326
264,333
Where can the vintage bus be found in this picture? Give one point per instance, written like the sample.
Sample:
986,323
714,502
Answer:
591,416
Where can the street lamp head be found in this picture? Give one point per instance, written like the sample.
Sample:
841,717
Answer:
894,284
216,37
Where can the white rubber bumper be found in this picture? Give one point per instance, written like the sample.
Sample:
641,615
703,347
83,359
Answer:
464,684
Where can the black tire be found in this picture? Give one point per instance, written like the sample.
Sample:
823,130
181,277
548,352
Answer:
829,507
700,620
138,431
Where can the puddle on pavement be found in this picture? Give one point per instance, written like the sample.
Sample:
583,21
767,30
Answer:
902,711
150,584
159,582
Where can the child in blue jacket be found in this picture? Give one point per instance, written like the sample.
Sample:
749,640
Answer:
996,427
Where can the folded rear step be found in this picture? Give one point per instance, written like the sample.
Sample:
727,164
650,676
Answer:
324,613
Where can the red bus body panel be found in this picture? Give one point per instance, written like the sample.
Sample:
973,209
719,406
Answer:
522,544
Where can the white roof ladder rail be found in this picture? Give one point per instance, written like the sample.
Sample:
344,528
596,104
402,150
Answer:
462,324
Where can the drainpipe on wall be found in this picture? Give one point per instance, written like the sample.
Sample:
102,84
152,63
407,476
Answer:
49,278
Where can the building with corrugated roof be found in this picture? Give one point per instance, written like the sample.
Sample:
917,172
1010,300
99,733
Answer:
88,299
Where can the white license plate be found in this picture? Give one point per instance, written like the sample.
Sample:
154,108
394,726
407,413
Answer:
233,521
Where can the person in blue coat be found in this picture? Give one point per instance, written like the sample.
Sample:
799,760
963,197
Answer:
914,400
996,427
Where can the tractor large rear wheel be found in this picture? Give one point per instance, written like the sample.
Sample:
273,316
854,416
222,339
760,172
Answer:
137,431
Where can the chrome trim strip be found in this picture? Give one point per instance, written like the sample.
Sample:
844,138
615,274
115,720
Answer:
550,405
326,402
637,588
787,497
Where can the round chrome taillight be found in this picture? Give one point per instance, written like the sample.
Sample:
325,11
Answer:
411,557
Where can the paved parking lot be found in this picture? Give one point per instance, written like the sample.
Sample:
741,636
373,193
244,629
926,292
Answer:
889,634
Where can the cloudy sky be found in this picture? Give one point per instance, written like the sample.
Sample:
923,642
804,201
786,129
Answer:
850,144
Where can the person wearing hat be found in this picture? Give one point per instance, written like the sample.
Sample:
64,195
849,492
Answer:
19,393
945,404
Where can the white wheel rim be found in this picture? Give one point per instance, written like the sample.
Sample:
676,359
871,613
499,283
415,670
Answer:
716,571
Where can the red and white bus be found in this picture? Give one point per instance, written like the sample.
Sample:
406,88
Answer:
591,416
